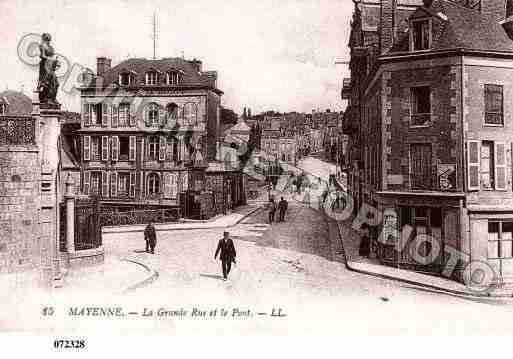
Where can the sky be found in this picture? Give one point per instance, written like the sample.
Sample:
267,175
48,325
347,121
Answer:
270,55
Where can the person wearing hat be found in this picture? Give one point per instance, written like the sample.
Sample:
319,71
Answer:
150,236
227,254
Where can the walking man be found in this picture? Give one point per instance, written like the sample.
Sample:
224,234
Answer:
227,254
272,210
150,236
282,206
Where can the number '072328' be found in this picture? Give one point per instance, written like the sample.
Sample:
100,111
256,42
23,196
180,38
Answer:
69,344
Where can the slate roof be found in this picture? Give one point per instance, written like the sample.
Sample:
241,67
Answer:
139,66
18,104
458,27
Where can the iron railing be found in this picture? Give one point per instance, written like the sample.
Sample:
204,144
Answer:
17,130
167,215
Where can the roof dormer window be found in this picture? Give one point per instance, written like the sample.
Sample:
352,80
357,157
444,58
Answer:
152,78
420,35
173,78
3,109
125,79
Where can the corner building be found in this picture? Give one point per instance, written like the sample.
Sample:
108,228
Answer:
432,131
149,128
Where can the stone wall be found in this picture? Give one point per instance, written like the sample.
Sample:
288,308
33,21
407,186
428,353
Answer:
20,247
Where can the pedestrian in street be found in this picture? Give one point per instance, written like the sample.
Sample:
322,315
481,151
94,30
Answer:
364,250
272,210
150,236
282,206
227,254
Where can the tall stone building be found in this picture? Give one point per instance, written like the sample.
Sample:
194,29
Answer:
148,128
430,131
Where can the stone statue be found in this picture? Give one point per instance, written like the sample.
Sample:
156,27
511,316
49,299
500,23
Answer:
47,83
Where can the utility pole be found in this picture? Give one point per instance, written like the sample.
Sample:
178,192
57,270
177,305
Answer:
154,35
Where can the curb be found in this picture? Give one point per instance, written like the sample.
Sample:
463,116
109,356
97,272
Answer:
153,275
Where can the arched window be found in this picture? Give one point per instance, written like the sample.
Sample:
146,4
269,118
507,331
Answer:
152,115
173,78
153,184
152,78
190,114
171,114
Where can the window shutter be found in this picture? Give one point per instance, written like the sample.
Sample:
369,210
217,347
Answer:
86,114
182,149
105,184
169,150
132,184
87,148
115,116
143,150
131,153
174,185
115,148
167,185
500,166
105,148
87,181
162,116
162,148
105,114
114,184
473,159
132,115
185,181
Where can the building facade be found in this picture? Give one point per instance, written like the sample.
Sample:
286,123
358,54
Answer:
146,124
430,136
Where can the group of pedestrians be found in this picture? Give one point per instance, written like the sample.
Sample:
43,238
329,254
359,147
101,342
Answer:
282,207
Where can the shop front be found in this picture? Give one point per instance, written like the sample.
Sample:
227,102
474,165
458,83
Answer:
418,230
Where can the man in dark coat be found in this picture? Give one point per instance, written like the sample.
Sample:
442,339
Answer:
282,206
227,254
272,210
150,236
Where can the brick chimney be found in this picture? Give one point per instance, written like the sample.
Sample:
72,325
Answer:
494,8
387,24
102,65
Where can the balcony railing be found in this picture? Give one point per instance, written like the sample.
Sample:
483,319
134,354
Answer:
17,131
168,215
420,119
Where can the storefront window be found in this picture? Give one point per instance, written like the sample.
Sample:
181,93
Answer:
500,239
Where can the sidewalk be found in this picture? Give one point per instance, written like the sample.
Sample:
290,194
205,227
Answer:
222,221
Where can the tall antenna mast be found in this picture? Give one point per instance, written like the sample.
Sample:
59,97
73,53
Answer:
154,35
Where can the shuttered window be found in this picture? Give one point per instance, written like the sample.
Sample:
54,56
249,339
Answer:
493,105
500,166
115,148
105,115
162,148
105,184
132,144
114,116
114,184
105,148
132,184
420,166
87,181
171,185
184,181
474,164
132,115
124,114
86,114
87,148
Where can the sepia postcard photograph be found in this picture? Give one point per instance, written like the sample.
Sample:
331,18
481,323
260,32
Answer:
280,168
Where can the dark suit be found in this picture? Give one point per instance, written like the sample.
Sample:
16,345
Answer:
150,236
282,206
227,254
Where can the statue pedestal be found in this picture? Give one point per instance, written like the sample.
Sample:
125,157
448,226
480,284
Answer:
48,118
